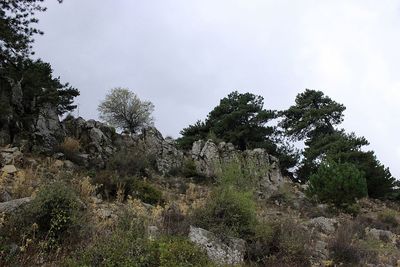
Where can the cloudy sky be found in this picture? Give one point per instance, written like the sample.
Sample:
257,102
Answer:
185,55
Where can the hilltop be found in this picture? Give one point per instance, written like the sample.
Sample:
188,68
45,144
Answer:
138,200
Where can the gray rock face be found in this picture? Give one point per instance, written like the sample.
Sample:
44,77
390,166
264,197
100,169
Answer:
47,131
10,155
167,156
96,140
211,159
9,169
230,252
12,205
325,225
382,235
99,142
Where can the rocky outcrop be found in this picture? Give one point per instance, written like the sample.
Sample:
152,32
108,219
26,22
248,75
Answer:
324,225
211,159
47,131
97,140
167,156
10,156
382,235
229,252
12,205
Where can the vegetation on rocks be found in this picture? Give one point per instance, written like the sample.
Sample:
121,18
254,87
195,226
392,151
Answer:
79,193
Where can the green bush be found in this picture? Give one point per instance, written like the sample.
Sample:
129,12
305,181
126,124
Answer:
389,217
179,252
339,184
128,245
189,168
280,243
233,174
53,217
228,213
259,245
111,183
147,193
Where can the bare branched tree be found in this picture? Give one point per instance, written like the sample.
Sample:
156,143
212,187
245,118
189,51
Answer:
124,110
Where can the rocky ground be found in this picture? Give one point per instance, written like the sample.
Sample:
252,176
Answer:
372,230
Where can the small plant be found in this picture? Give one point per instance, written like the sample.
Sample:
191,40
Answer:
179,252
340,184
147,193
85,188
389,217
279,243
52,218
233,174
342,246
227,212
113,186
174,222
189,168
260,244
128,245
130,162
71,147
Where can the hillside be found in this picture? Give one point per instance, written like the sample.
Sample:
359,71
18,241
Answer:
100,198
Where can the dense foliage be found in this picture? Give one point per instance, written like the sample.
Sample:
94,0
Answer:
313,119
340,184
130,246
50,219
27,85
227,212
241,120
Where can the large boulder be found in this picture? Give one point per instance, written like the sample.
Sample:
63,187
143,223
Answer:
210,160
167,157
228,252
324,225
97,140
10,155
382,235
12,205
47,130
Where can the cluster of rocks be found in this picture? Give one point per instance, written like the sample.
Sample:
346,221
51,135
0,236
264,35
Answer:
211,159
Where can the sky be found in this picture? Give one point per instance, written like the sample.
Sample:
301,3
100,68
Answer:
185,55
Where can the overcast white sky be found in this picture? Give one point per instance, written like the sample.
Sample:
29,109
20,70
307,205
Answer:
185,55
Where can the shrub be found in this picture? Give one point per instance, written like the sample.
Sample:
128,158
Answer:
389,217
259,245
121,248
189,168
71,147
111,185
290,244
281,243
342,247
227,212
233,174
179,252
147,193
130,162
128,245
337,184
53,217
174,221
